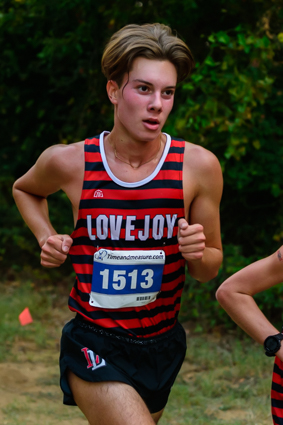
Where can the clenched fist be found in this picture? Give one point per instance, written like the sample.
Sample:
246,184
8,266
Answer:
55,249
191,240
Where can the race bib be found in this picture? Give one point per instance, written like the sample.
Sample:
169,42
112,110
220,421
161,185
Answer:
126,278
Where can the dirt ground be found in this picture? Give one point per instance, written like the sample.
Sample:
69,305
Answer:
29,386
30,392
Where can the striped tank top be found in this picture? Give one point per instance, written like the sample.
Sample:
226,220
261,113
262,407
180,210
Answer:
116,215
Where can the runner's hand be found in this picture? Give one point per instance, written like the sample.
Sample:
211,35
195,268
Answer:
191,240
55,249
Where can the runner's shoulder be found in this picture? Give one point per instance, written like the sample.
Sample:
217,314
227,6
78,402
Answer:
62,158
201,159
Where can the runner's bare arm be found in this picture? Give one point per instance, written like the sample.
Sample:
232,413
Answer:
54,170
199,235
236,296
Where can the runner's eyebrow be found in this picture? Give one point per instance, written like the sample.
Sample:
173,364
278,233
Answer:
137,80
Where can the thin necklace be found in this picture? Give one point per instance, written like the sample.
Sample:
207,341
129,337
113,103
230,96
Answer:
131,165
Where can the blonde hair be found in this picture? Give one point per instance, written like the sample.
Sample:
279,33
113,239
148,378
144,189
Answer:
151,41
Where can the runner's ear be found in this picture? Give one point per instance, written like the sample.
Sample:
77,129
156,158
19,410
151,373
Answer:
112,91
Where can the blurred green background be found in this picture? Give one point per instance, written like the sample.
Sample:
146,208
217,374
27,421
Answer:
52,91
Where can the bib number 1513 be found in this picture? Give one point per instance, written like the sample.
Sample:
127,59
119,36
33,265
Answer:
120,279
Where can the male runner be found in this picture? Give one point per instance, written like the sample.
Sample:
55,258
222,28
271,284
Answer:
144,204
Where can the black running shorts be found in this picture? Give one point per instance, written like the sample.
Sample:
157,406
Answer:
96,355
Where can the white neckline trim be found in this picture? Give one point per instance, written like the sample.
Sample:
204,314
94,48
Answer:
138,183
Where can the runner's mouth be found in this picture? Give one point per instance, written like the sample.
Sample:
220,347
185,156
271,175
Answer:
151,121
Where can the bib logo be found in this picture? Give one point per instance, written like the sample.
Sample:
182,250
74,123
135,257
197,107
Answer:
100,254
94,361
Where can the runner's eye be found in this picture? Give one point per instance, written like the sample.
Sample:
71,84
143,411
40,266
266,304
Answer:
169,92
143,89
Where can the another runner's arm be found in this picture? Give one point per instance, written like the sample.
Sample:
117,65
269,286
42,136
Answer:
30,193
236,296
199,237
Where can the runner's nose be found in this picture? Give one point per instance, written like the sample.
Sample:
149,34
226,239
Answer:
155,102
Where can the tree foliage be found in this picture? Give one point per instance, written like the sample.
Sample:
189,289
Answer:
52,91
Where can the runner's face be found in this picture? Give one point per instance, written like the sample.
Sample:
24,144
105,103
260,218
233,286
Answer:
145,98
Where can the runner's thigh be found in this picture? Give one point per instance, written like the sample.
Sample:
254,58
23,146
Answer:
109,403
156,416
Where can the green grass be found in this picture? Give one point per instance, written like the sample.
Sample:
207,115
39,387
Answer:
223,381
15,297
225,378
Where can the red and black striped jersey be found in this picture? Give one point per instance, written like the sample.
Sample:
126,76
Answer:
117,215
